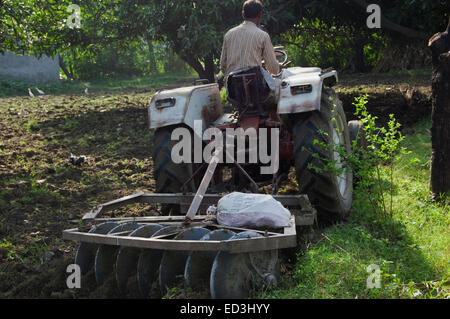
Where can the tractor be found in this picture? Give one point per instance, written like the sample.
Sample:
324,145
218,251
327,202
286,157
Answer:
299,102
304,125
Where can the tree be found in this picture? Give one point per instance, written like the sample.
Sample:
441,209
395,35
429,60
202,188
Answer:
440,118
40,27
35,27
405,25
194,29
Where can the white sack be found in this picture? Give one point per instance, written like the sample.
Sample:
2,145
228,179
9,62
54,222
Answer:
251,210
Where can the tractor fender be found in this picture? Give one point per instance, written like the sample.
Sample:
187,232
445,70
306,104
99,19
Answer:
301,89
184,106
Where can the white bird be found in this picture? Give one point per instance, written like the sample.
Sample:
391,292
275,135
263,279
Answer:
30,93
86,91
40,92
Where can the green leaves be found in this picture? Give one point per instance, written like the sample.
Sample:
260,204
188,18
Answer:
322,31
35,27
373,166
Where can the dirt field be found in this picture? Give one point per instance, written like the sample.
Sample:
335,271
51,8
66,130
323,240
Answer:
42,193
408,97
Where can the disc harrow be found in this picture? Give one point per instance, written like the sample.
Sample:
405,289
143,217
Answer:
161,252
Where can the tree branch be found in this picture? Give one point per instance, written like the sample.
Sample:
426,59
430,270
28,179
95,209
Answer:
281,7
386,23
325,33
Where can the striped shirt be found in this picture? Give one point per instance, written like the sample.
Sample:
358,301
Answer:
246,46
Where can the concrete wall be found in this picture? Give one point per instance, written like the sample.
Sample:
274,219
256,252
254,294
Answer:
29,68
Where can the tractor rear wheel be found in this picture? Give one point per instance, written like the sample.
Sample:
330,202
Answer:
357,134
316,136
169,176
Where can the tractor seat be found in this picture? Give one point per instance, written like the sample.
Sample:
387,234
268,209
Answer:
248,88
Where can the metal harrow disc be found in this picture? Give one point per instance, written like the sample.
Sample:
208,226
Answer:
106,254
85,255
234,276
199,263
173,262
127,257
149,261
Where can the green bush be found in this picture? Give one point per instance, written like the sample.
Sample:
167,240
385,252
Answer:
135,60
316,43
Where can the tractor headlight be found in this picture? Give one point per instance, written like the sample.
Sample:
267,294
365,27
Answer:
301,89
161,104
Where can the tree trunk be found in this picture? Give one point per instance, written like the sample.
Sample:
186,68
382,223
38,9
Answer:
209,69
440,117
356,62
64,68
206,72
153,66
360,66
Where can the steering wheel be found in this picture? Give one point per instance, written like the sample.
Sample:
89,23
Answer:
282,59
281,56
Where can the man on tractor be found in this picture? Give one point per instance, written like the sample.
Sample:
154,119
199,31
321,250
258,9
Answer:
247,45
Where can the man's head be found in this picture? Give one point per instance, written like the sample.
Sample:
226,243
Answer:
252,11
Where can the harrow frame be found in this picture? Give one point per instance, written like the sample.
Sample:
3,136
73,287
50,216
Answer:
302,214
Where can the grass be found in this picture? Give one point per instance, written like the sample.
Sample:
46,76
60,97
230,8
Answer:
11,87
411,250
165,79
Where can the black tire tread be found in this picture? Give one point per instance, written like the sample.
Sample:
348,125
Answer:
319,186
169,176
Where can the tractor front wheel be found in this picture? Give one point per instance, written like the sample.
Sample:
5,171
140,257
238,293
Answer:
169,176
